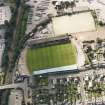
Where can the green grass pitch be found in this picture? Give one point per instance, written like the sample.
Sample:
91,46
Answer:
52,56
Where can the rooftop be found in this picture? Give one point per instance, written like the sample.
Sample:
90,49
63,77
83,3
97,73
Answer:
69,68
5,14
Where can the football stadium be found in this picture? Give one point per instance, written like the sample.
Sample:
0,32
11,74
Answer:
58,51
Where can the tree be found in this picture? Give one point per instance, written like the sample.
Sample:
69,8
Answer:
54,2
99,41
101,23
72,92
72,5
67,4
89,49
104,54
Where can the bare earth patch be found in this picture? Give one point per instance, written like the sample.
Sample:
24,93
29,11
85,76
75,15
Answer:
80,22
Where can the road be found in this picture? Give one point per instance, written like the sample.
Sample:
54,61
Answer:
82,75
22,85
10,74
12,86
10,70
83,95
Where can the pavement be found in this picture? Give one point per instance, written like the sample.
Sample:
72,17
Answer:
84,36
80,53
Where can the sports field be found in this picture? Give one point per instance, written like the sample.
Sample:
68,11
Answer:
81,22
52,56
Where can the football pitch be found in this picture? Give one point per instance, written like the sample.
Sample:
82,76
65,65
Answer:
51,56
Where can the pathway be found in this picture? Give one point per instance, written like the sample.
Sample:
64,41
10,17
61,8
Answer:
22,66
80,53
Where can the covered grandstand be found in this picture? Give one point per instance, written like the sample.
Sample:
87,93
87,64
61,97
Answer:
49,41
63,69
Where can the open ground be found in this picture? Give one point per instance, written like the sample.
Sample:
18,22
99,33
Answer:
80,22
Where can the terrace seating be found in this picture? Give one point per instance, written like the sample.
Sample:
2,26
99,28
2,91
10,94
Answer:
48,41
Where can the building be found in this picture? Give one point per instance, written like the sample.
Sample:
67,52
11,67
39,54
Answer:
5,14
48,41
2,47
16,97
62,69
